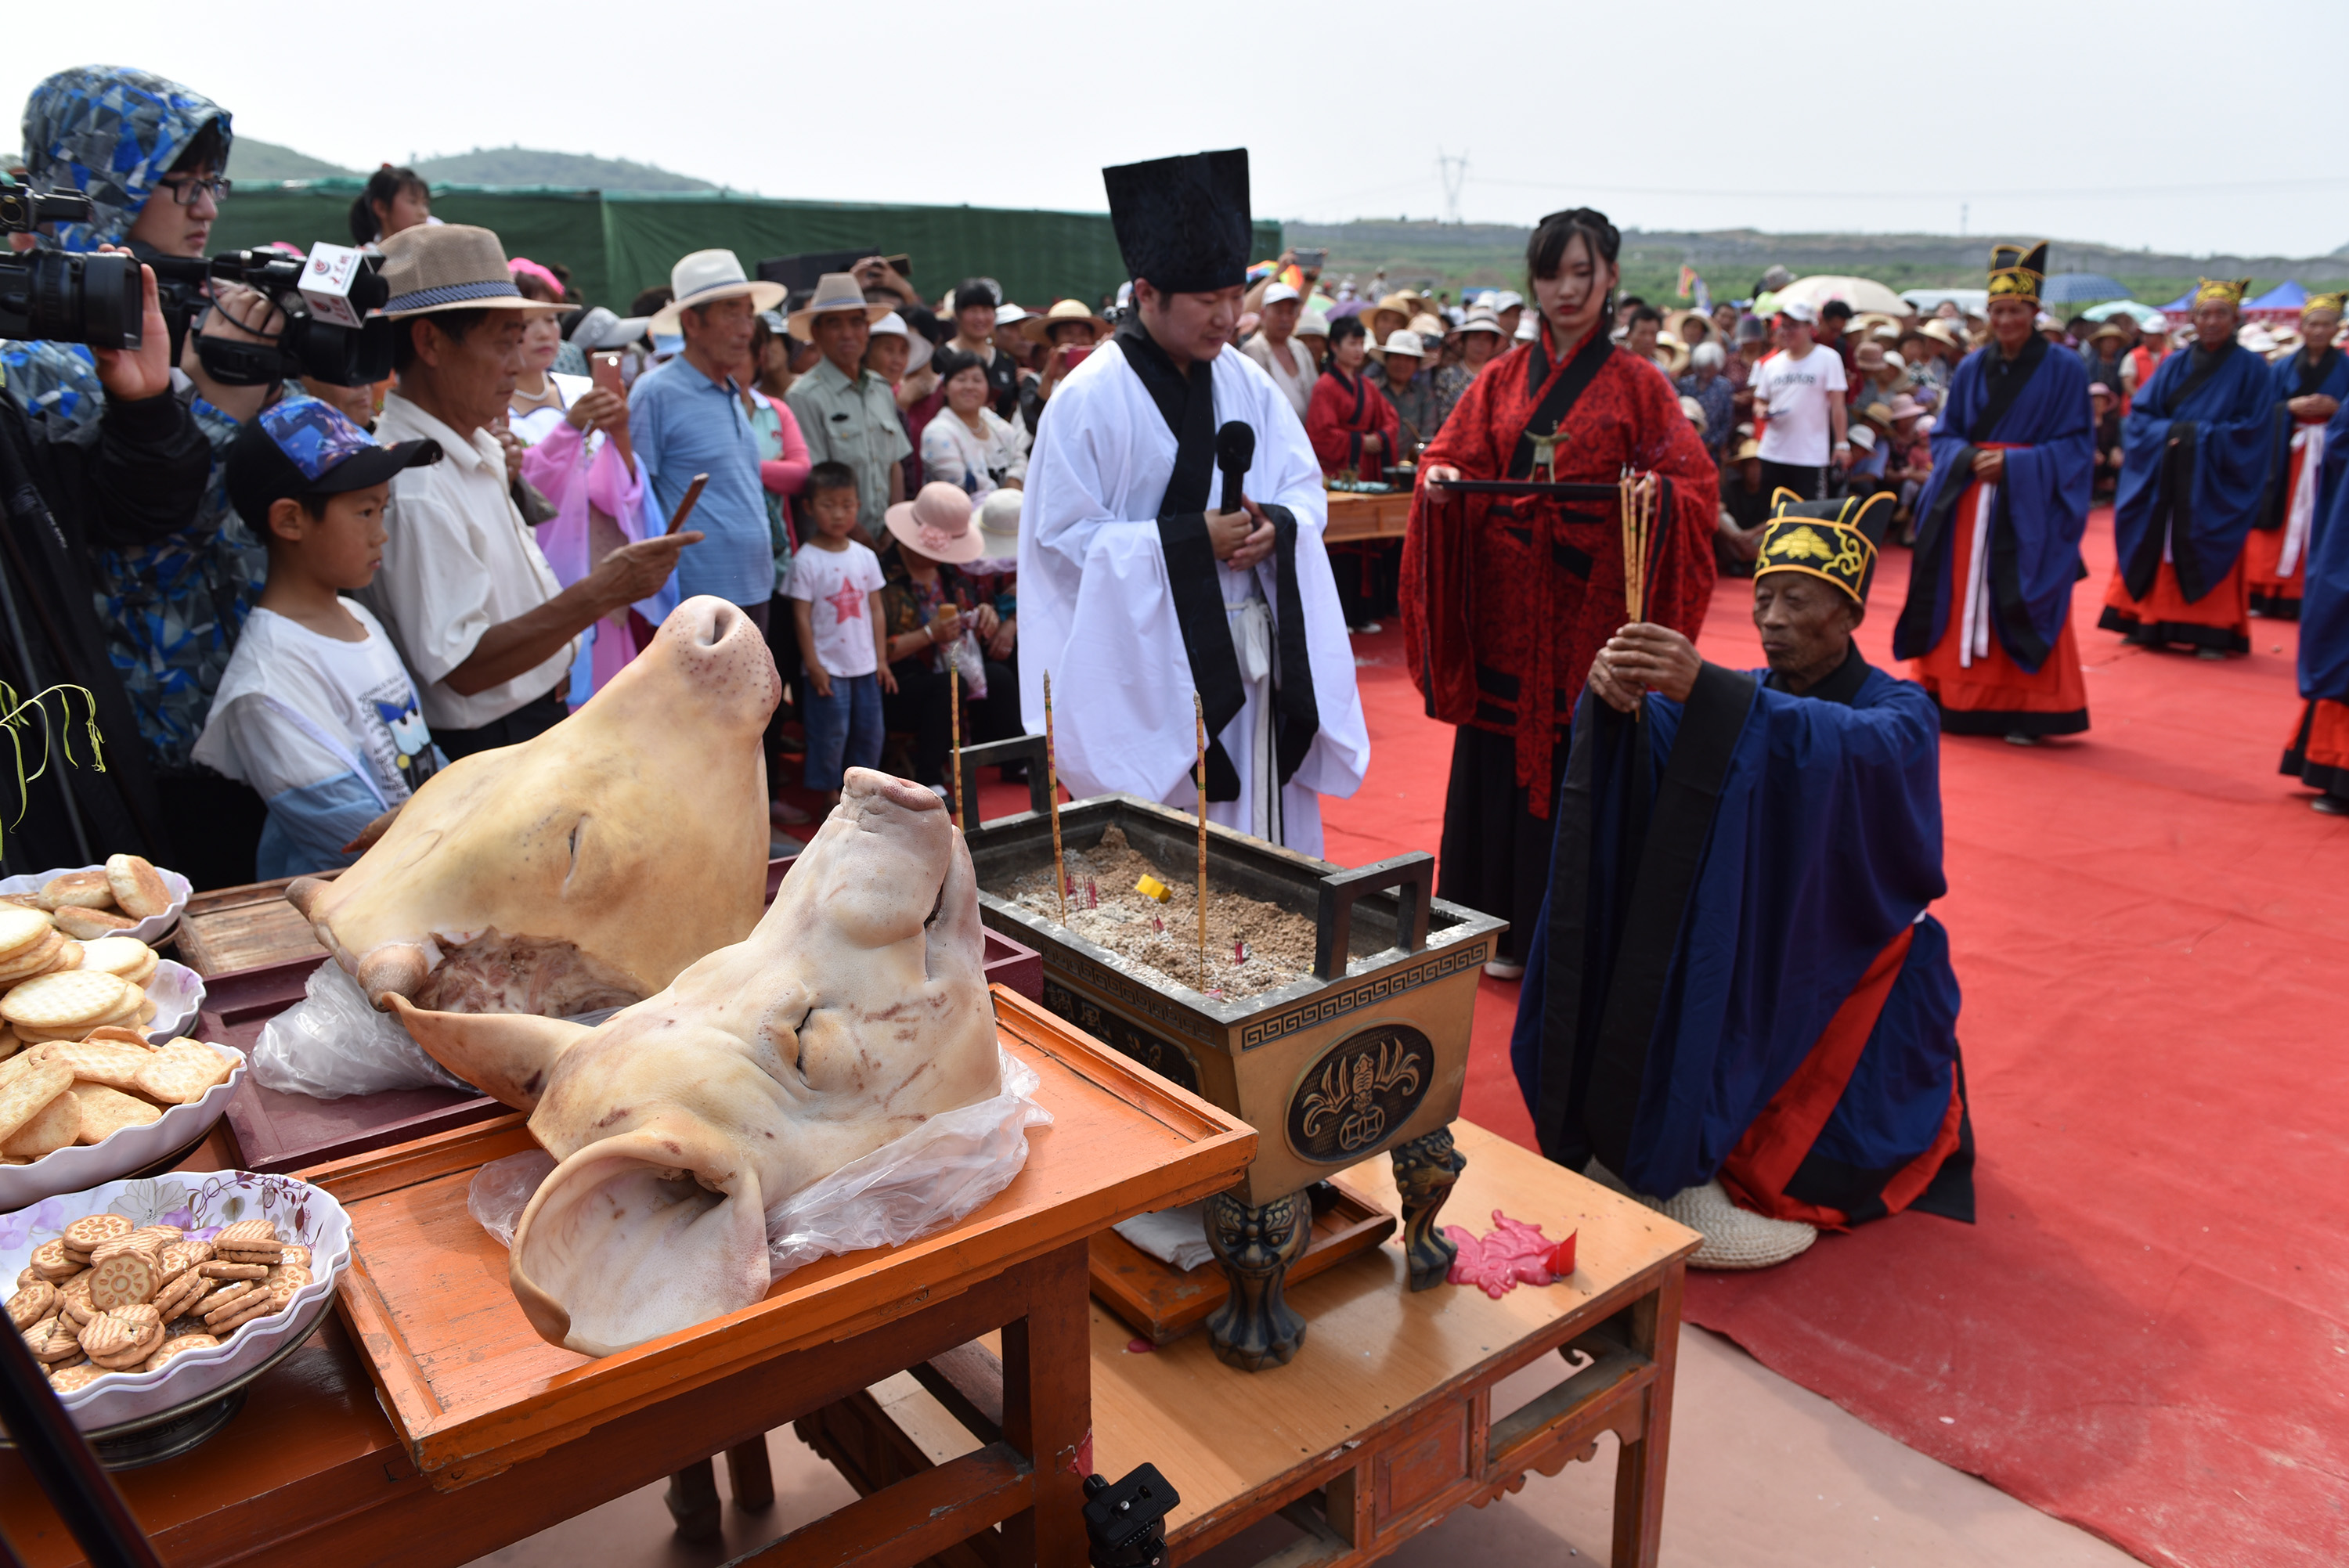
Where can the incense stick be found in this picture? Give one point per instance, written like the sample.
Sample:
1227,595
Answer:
954,740
1199,719
1052,794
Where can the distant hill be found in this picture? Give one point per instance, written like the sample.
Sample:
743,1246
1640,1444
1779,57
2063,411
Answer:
527,166
251,159
1479,255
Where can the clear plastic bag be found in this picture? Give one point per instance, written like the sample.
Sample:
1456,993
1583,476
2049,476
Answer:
924,1181
334,1043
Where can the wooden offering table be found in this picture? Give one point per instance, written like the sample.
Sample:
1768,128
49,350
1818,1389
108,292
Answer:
1386,1421
492,1434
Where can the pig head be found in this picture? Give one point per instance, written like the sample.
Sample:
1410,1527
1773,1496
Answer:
855,1011
585,868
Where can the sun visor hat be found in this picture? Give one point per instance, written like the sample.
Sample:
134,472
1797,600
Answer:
305,447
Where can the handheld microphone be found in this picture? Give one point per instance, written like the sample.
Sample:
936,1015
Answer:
1235,450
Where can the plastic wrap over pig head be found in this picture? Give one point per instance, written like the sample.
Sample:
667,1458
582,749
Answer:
855,1011
585,868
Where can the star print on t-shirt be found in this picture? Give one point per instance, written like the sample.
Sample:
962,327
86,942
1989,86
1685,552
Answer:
848,604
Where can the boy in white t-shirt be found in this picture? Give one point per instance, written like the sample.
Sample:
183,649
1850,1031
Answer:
316,711
1799,392
832,588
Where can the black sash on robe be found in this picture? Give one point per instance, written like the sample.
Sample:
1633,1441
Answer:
1188,406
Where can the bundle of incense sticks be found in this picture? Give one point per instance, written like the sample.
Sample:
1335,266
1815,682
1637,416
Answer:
954,741
1053,793
1199,719
1638,509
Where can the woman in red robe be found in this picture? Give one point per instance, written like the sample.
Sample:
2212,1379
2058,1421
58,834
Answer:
1507,599
1351,423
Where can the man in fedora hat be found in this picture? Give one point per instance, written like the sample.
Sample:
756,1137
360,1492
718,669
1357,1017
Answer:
692,415
464,591
1138,588
848,414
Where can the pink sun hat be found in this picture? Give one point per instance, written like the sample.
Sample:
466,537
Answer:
937,522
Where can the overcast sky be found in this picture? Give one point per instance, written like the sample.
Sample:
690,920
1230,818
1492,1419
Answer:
2152,123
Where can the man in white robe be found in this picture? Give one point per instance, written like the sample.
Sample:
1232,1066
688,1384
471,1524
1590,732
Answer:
1127,561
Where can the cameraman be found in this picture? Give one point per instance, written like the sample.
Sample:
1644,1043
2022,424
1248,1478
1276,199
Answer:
149,155
125,477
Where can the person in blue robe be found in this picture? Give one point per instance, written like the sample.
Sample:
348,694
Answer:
2318,752
1737,1006
2309,386
1988,616
2198,450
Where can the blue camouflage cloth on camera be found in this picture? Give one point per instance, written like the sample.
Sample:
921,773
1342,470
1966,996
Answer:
171,611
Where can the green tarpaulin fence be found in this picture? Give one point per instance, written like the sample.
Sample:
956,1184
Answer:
616,242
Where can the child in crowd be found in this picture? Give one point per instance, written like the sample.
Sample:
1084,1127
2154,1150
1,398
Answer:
2106,404
315,712
1910,463
832,580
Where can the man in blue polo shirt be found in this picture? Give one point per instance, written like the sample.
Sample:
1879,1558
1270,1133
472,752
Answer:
691,415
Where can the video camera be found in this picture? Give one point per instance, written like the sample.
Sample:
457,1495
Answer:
326,297
66,298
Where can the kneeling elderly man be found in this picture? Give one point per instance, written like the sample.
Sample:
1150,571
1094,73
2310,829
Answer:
1735,1006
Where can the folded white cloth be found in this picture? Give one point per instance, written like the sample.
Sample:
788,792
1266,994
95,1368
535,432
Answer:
1177,1237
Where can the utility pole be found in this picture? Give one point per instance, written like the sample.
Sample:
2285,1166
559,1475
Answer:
1454,171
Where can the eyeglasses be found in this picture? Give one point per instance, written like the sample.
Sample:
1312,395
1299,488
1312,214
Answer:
186,188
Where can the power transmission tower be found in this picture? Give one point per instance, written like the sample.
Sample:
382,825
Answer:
1454,170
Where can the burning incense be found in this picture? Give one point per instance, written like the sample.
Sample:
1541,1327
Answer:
954,741
1199,720
1053,793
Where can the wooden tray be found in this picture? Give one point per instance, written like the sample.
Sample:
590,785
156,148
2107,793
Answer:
1162,1303
288,1132
472,1391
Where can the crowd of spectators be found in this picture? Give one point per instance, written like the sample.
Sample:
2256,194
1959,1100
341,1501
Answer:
854,454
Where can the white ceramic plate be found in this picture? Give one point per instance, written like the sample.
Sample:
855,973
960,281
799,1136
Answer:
199,1202
127,1149
150,930
176,992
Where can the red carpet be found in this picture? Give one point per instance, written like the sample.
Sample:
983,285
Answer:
2147,1333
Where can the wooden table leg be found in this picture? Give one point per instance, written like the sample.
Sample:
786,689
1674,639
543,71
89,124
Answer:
1655,1322
749,1476
1048,1410
692,1501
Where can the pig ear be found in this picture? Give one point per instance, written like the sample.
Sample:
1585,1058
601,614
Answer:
620,1245
506,1055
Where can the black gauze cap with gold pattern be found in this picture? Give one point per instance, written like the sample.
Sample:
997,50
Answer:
1835,539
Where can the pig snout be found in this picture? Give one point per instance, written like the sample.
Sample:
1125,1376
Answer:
722,657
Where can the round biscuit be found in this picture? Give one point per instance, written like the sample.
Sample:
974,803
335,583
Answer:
63,1344
40,958
66,1379
178,1346
295,1252
69,996
126,1279
55,1266
245,1231
21,930
218,1269
139,889
174,1299
29,1305
107,1334
89,925
85,890
260,1304
91,1228
227,1296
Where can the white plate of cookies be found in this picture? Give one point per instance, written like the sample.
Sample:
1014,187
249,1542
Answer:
126,896
144,1297
77,1112
158,998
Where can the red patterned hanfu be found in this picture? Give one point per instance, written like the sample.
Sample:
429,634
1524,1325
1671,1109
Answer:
1507,601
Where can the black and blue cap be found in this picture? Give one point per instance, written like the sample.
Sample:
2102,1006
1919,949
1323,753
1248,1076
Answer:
301,446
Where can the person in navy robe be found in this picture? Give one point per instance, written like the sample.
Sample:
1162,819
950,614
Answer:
1737,1006
2196,452
1989,617
2318,752
2309,386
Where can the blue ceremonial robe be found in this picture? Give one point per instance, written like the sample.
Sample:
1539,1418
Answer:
2203,494
2040,513
1781,845
2324,599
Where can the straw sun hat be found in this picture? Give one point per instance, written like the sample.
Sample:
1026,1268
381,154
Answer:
834,291
705,277
450,267
937,522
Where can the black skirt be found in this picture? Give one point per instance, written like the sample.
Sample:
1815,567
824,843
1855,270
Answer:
1496,853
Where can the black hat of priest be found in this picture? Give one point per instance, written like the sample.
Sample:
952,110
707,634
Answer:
1835,539
1184,223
